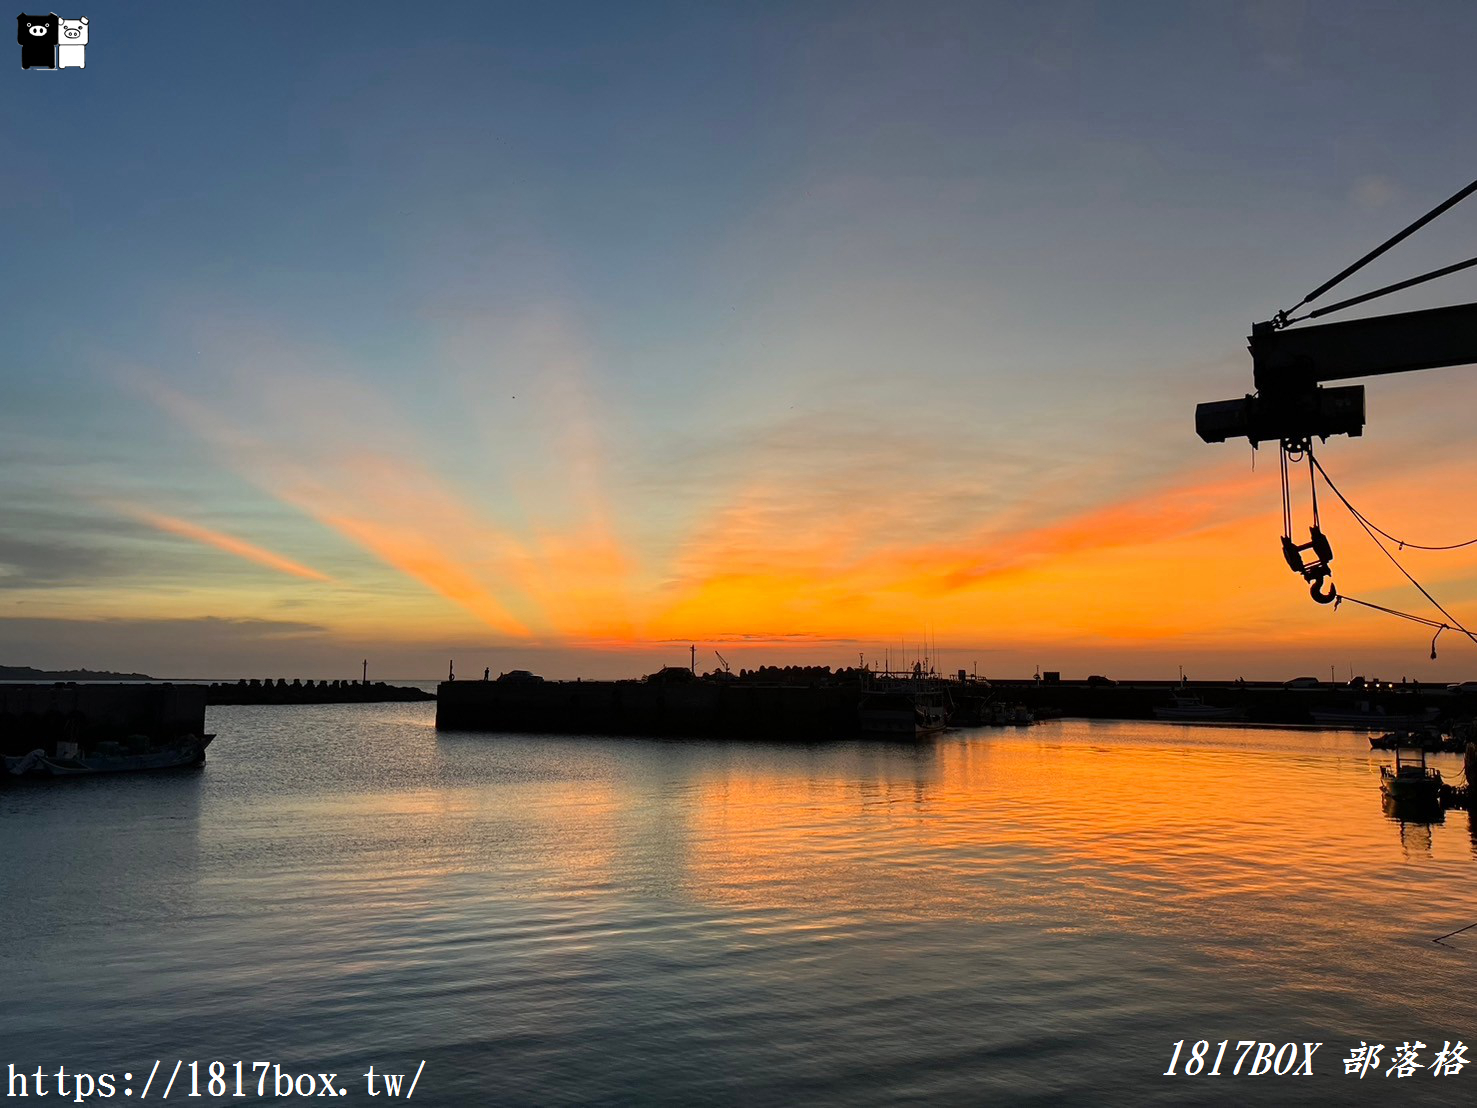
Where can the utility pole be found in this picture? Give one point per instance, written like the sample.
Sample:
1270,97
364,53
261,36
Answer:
364,673
692,665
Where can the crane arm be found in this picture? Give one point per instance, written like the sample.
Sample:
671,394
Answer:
1289,365
1302,356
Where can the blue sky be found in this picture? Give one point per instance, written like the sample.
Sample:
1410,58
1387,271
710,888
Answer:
643,292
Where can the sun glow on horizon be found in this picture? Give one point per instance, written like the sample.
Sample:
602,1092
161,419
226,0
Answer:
793,560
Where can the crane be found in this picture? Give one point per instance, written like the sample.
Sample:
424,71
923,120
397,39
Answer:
724,660
1291,367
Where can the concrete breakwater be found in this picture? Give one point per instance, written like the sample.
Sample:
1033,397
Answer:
1258,702
37,716
697,708
732,708
297,691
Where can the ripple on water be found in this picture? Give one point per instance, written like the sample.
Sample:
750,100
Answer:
1028,916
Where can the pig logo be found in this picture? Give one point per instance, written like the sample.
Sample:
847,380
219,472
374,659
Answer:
37,35
71,47
50,42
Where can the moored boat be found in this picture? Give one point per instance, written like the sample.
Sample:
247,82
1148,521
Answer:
1430,740
1411,782
138,755
903,713
1194,708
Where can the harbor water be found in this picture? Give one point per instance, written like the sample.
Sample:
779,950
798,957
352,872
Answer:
1024,916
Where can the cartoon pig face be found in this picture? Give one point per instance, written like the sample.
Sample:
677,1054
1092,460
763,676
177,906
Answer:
74,31
36,29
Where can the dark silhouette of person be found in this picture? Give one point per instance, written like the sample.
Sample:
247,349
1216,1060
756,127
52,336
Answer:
37,35
486,673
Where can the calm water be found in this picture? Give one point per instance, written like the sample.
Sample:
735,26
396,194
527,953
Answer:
1016,917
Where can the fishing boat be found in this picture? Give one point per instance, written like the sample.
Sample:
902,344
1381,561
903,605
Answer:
1411,781
1194,708
904,713
136,755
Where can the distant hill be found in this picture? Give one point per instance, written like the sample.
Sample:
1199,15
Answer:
26,673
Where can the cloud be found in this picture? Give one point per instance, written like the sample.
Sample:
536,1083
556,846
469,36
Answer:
27,563
222,541
341,453
1277,29
1371,192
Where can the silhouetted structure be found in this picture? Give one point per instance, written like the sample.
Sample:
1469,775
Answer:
36,716
257,691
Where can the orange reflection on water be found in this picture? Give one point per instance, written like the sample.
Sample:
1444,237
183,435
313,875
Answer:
1236,838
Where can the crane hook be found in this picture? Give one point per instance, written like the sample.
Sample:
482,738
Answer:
1317,582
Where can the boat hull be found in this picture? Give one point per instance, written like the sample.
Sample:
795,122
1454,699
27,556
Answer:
1410,792
183,754
901,714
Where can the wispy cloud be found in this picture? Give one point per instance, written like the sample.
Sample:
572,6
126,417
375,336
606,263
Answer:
339,452
222,541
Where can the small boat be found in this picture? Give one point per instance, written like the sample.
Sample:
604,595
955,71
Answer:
905,714
1430,740
1411,782
136,756
1192,708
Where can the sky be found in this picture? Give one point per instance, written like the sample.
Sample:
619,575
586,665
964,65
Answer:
564,337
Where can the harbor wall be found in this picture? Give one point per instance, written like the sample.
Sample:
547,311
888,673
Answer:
38,715
698,708
1263,703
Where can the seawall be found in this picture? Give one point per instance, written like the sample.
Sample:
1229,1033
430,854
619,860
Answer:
282,691
697,708
737,709
37,716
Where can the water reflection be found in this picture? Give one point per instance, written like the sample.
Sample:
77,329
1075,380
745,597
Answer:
579,920
1415,819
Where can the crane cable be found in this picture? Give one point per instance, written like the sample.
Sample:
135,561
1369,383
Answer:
1357,514
1422,279
1454,624
1281,318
